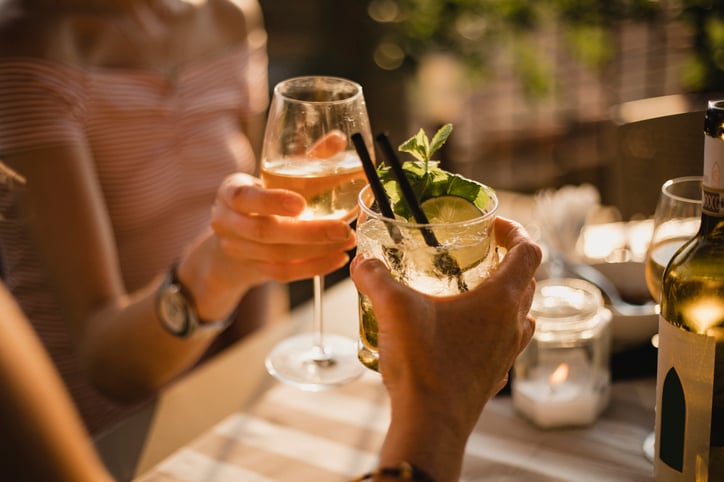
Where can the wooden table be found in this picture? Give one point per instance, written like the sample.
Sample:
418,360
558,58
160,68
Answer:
230,421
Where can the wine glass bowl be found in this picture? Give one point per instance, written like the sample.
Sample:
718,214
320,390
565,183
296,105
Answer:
307,148
676,220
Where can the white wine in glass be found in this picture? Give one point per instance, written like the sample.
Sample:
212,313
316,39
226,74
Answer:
308,149
676,220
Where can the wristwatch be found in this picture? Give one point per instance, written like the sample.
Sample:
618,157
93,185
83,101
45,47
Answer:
176,309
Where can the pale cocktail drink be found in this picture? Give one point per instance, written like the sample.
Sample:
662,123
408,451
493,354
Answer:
465,256
330,186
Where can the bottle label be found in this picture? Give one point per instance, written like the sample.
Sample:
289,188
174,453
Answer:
713,184
684,397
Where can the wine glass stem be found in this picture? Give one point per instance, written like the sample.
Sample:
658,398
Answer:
321,357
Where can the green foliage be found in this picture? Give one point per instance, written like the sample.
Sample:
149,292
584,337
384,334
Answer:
474,29
705,19
421,148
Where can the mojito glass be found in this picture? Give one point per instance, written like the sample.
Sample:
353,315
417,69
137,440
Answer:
465,256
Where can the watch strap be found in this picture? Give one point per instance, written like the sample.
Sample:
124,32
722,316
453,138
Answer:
194,324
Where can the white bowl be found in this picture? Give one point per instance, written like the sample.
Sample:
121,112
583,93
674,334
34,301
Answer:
633,327
631,330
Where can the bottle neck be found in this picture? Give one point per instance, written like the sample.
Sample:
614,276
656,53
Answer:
713,183
709,223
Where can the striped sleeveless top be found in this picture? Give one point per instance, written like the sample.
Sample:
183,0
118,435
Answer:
161,148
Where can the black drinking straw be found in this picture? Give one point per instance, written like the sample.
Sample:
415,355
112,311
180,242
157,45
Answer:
444,263
376,185
407,191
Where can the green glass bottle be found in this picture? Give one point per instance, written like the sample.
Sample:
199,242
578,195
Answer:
690,377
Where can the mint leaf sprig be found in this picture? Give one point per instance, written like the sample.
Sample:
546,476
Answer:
421,148
427,179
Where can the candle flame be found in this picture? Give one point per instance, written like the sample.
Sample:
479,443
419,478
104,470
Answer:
559,375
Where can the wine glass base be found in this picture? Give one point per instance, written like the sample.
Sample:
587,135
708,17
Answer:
299,362
648,446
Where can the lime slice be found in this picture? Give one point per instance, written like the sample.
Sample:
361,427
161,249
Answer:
462,242
449,209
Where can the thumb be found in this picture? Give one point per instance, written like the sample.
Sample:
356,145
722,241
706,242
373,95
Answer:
368,273
374,280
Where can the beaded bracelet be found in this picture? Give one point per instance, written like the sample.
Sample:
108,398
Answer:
404,471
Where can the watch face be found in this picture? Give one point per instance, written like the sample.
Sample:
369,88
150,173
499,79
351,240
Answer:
173,310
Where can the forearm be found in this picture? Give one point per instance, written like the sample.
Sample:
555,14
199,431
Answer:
43,436
128,351
128,354
430,442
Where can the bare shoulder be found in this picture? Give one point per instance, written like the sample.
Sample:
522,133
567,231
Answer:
247,10
237,19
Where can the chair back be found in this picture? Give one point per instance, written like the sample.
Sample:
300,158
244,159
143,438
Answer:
653,140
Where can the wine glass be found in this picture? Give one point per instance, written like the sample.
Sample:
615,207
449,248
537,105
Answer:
676,220
307,148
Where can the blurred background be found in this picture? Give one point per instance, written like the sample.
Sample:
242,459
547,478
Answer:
541,94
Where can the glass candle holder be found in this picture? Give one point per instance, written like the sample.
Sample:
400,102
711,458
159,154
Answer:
562,378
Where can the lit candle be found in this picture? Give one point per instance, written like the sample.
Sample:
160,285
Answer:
565,395
562,378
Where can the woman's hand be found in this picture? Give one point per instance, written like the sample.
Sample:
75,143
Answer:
258,228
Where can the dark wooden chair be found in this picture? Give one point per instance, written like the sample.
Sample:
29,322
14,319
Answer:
653,140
